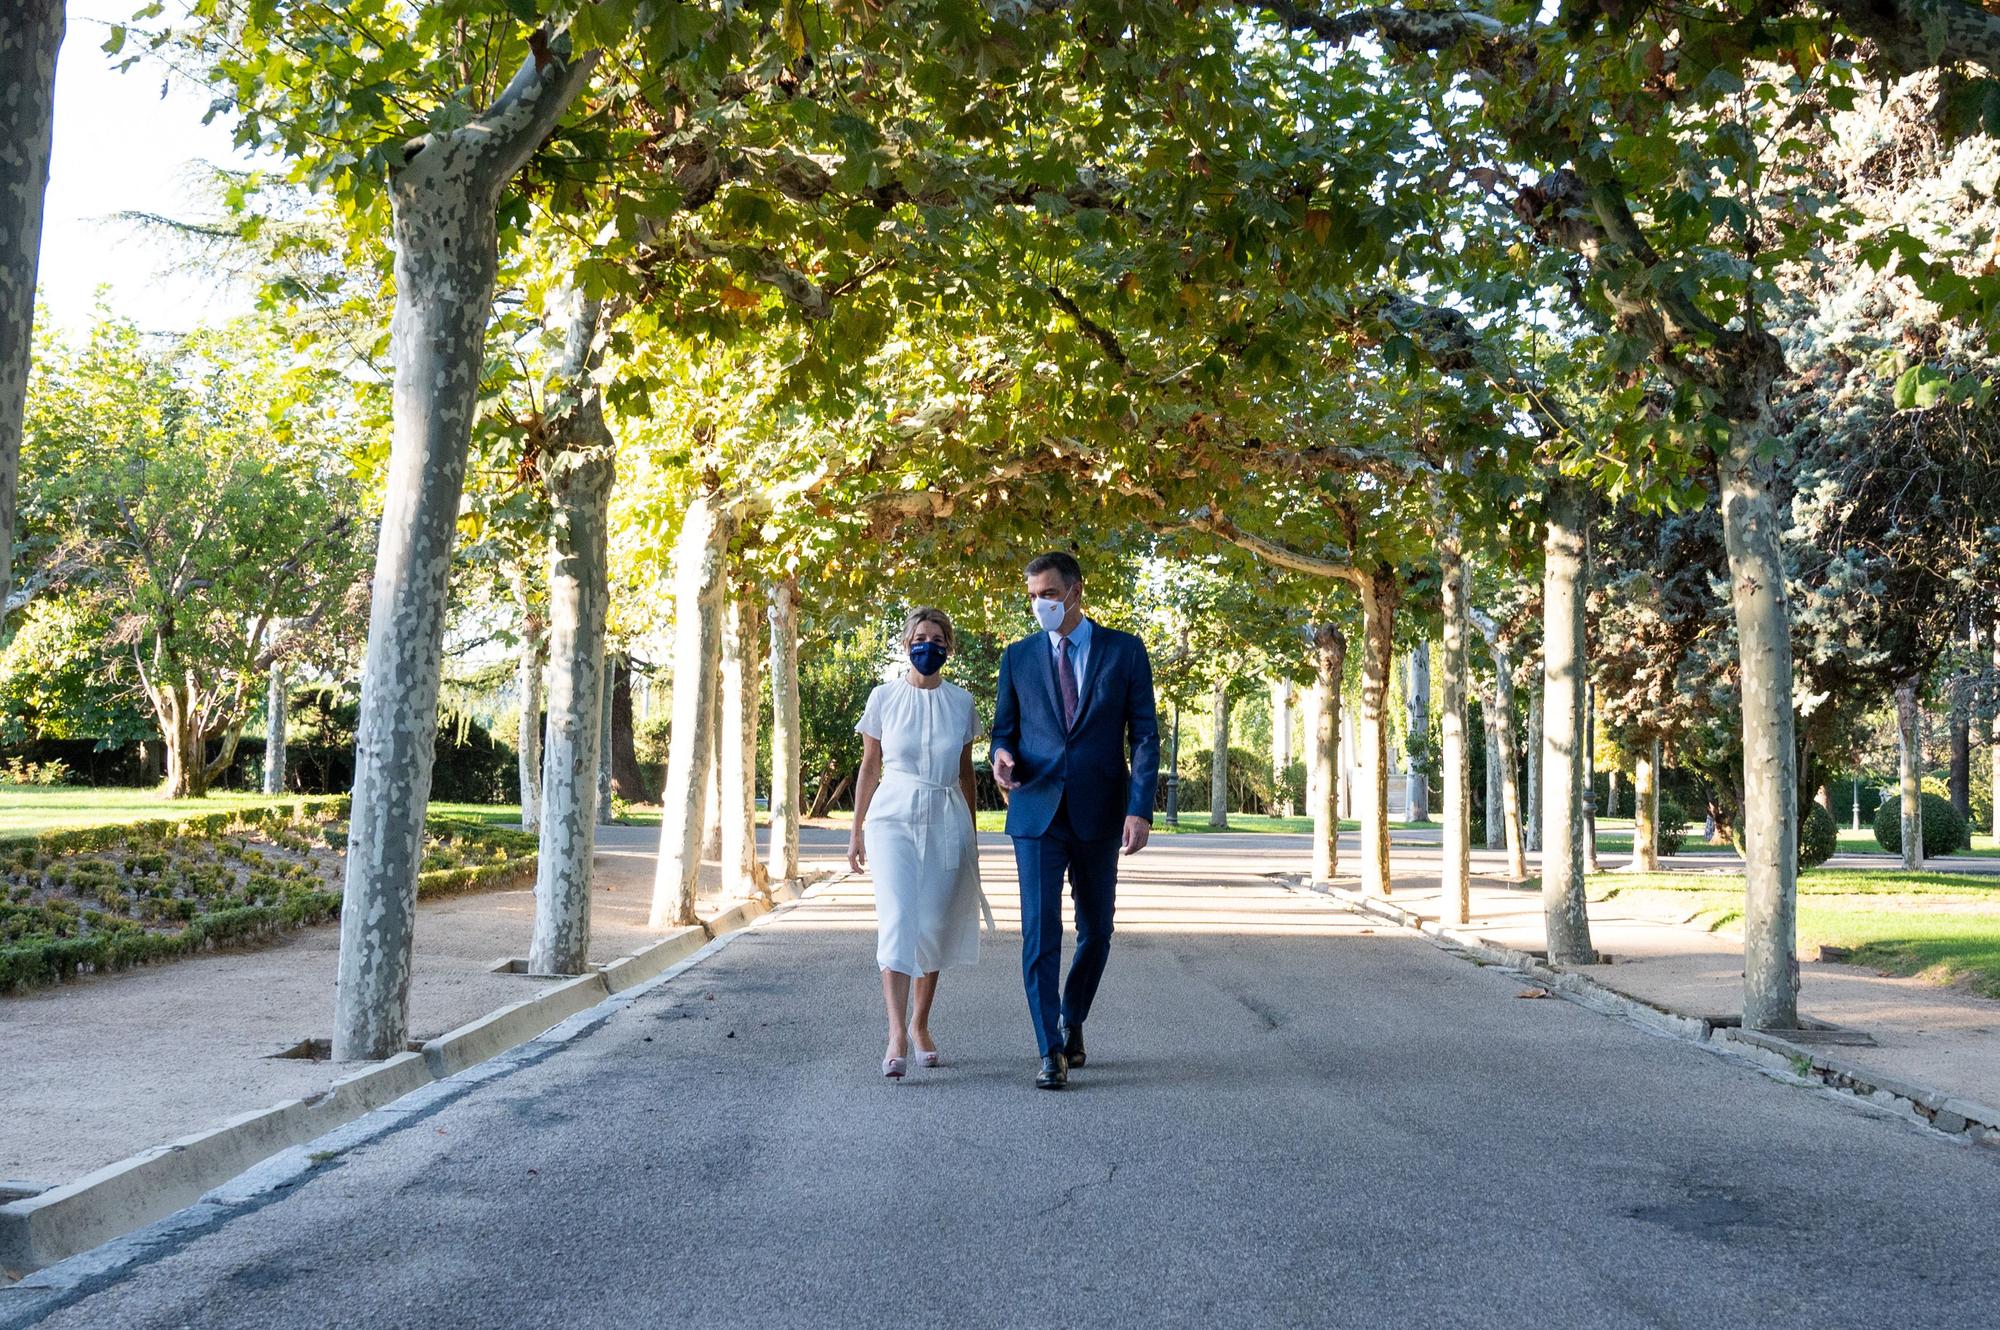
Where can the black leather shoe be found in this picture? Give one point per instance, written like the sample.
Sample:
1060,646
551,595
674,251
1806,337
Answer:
1054,1074
1072,1038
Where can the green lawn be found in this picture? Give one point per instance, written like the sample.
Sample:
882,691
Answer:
1941,927
40,808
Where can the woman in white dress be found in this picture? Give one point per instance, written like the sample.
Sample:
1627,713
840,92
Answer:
913,831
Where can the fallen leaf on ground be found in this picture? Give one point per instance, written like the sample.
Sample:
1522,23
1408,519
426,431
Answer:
1532,993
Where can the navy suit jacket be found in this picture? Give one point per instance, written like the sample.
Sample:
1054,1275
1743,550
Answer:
1088,763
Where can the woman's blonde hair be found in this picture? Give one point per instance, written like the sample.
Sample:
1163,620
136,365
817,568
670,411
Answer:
925,614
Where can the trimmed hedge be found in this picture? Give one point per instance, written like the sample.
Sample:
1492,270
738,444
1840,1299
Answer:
255,891
1818,837
1945,832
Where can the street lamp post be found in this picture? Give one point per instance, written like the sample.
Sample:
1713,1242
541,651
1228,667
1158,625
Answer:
1174,771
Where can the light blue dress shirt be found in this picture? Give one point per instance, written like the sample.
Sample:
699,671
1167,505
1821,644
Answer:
1079,652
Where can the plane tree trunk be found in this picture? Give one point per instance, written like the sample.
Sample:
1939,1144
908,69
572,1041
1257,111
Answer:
1563,906
700,570
783,854
1329,660
1455,876
443,199
578,468
1380,594
30,36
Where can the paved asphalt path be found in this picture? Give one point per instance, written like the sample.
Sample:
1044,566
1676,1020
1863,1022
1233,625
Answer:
1292,1116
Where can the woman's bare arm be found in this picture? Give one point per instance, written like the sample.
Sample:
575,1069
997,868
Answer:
864,792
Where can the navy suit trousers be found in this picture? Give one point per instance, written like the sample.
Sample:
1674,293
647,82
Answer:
1092,867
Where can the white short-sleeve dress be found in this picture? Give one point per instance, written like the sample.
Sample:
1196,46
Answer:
919,836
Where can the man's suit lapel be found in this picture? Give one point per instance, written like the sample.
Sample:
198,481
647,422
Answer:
1099,669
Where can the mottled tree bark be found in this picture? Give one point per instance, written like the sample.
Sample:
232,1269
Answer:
31,33
1563,907
1329,661
1417,700
1646,809
783,854
1514,815
604,786
578,468
1752,523
1909,772
700,575
1218,771
628,778
1496,834
742,654
1531,820
276,705
1281,743
1379,596
1455,874
528,685
443,198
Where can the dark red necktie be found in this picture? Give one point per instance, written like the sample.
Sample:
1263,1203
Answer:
1066,681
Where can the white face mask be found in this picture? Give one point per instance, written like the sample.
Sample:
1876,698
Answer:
1049,613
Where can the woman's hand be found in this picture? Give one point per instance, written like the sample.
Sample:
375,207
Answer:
857,852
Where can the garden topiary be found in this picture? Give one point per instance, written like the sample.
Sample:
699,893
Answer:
1818,837
1945,832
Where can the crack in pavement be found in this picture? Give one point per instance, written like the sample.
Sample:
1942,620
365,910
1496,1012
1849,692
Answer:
1069,1193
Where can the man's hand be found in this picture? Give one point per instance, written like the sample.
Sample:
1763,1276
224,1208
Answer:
857,852
1003,770
1137,832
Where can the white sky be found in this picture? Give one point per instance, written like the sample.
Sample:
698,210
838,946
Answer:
120,146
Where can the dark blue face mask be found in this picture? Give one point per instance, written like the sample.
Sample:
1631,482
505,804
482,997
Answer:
928,657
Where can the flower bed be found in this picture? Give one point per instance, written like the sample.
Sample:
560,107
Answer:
96,899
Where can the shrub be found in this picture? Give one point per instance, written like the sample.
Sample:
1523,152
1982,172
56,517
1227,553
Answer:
1945,832
1818,837
1673,825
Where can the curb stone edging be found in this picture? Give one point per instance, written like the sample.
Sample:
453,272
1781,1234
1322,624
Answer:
109,1202
1801,1064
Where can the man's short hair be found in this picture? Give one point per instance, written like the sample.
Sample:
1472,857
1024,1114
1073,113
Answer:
1063,565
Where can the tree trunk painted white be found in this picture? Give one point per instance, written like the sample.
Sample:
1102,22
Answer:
1909,772
1281,744
1379,595
1455,872
742,655
578,468
783,854
1329,662
700,575
1646,809
1417,701
1218,766
443,199
31,34
528,685
276,704
1752,523
1563,908
1531,812
1496,832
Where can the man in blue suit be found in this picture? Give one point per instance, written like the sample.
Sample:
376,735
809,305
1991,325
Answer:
1075,705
